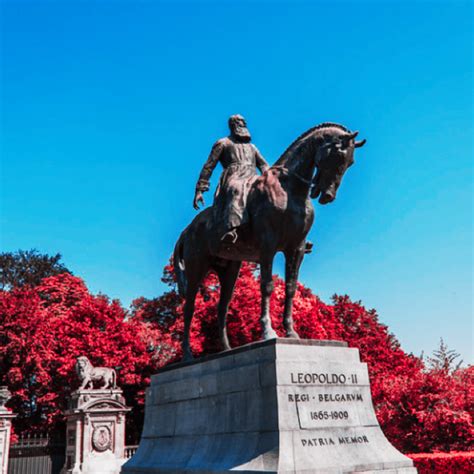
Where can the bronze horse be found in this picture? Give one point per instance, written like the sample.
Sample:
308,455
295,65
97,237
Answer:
281,214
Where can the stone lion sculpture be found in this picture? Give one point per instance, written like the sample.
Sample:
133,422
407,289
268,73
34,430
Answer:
88,374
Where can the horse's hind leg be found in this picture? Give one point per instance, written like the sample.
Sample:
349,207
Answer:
293,259
188,316
195,273
227,277
266,286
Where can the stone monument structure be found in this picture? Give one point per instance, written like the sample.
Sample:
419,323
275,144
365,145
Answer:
6,417
280,405
95,433
277,406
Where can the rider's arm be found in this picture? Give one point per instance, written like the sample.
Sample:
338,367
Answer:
262,165
206,172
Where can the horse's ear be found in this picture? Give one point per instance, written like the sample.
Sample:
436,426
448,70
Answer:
360,143
346,138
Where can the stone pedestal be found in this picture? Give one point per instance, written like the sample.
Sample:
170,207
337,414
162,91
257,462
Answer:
95,432
6,417
277,406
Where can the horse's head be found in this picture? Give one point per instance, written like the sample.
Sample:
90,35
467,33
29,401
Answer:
334,154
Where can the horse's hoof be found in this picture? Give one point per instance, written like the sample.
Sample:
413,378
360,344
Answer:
292,334
269,334
226,346
187,356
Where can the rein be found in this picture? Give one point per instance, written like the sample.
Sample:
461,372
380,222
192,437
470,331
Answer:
286,172
304,180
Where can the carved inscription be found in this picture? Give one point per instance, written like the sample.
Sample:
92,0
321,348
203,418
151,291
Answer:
330,400
318,407
326,397
360,439
307,378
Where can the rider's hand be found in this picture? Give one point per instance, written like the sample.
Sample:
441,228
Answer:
198,199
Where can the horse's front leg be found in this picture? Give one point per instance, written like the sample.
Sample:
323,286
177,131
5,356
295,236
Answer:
266,286
293,259
188,317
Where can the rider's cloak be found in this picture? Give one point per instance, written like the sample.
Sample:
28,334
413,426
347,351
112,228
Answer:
239,160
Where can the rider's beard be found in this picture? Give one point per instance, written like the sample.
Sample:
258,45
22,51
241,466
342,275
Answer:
242,134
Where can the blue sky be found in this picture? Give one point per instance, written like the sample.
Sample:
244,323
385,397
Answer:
109,110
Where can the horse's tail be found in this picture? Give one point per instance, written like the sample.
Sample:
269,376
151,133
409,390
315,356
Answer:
178,263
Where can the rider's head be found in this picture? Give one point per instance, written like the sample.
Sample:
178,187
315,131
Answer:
238,128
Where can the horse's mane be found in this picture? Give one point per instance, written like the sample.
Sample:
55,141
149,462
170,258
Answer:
304,135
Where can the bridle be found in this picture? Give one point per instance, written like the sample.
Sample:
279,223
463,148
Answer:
309,182
287,172
317,162
303,180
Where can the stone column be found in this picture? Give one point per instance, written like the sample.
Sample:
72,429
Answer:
95,432
6,417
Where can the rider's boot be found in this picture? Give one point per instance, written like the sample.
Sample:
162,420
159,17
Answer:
308,247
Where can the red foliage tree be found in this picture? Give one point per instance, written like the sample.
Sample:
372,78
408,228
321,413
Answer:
427,411
42,332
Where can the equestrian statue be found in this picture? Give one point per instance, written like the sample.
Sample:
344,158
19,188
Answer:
255,216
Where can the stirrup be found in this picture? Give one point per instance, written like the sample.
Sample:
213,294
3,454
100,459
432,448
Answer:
230,237
308,247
